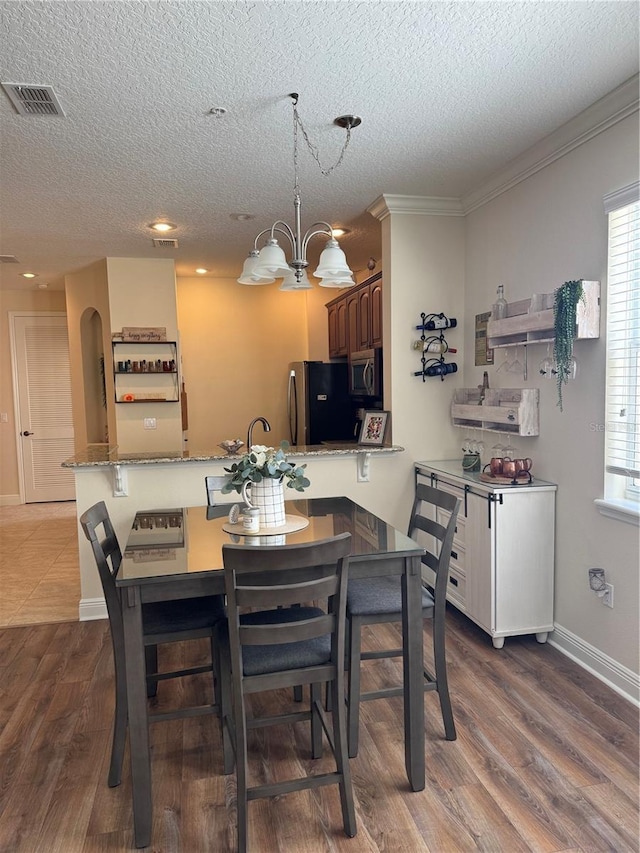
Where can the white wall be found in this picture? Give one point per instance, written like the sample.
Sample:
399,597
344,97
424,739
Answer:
548,229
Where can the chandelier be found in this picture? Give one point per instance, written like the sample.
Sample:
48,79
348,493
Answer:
265,265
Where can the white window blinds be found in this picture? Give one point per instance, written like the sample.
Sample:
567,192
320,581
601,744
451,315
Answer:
622,446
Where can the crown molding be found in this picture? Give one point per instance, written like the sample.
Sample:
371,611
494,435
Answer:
385,205
622,197
600,116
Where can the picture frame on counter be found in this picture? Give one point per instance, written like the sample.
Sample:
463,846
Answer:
374,428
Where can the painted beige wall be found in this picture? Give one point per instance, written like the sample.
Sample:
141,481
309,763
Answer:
142,292
424,272
15,300
87,291
546,230
237,342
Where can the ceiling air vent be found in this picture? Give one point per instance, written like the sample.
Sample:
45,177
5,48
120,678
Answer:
165,243
8,259
32,100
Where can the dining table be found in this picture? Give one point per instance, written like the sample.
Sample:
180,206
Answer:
177,553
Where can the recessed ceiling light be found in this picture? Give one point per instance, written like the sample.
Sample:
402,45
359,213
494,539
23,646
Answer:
43,285
29,274
201,271
162,226
340,232
242,217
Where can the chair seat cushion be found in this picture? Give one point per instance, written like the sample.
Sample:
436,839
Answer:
259,660
182,614
379,596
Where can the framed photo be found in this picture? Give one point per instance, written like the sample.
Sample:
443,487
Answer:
374,428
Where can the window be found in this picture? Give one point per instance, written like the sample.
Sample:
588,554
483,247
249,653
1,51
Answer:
622,427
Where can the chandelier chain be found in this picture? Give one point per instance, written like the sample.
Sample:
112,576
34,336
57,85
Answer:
313,149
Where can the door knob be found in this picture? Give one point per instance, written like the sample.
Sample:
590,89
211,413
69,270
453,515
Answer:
26,432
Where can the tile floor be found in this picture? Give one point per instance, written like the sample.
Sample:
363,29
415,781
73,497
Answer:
39,572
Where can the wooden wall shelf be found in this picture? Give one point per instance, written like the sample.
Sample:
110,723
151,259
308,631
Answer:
523,326
509,410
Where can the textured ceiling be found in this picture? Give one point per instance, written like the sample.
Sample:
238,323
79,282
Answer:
448,93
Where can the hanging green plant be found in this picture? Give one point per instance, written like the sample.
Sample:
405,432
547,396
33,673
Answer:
565,306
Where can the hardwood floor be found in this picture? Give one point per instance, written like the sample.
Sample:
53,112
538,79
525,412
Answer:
546,758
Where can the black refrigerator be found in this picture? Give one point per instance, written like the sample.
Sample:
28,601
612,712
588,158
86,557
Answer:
318,403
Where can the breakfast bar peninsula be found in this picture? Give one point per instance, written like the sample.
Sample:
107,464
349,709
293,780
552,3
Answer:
129,482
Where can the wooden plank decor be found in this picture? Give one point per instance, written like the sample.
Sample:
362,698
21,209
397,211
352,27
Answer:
144,334
524,326
512,410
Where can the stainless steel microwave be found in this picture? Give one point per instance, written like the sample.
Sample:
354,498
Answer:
365,369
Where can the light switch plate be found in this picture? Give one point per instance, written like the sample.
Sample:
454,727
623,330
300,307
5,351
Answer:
150,423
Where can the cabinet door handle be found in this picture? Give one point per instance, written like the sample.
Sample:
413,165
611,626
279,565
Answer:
454,554
453,581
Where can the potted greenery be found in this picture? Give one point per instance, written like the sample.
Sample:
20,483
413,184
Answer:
565,306
264,471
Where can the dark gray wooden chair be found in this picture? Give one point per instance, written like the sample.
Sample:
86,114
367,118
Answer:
285,646
162,622
213,485
379,600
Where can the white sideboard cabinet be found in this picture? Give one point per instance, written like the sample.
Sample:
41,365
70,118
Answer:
502,562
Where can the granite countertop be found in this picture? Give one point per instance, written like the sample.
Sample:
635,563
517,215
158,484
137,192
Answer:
97,455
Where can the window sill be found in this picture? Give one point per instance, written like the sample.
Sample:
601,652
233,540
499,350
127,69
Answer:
620,510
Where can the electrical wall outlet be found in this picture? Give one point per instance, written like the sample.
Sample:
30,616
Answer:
150,423
607,598
4,417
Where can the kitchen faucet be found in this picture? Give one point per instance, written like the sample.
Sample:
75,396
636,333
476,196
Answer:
267,428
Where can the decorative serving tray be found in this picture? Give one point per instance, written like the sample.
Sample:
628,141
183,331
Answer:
292,523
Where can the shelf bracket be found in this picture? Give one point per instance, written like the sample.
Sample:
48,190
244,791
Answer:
363,460
120,484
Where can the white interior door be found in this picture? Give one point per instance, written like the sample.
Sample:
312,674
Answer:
43,402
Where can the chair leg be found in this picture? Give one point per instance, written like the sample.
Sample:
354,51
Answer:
119,722
341,755
242,771
316,722
442,683
151,666
353,697
226,710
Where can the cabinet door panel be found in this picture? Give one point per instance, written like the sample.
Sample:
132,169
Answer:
375,308
352,324
524,561
479,563
364,319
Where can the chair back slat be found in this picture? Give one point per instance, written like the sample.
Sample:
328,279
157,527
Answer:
108,557
424,518
287,632
286,593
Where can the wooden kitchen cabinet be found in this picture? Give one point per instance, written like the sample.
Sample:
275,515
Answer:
501,573
355,318
337,329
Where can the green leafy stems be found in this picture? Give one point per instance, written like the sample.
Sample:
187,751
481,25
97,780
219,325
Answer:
565,306
261,462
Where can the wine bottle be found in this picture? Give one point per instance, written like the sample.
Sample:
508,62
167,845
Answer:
439,321
433,346
499,307
441,368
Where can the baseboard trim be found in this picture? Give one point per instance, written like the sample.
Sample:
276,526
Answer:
92,608
619,678
10,500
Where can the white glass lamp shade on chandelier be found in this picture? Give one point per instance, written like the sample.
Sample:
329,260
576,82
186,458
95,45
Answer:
265,265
